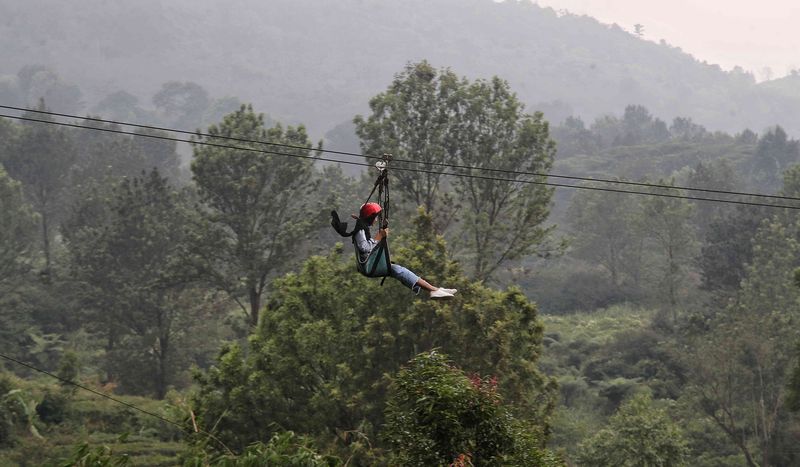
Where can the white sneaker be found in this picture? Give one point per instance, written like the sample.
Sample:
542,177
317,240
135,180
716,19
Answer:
450,291
440,293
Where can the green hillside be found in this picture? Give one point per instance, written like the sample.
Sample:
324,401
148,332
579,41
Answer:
319,62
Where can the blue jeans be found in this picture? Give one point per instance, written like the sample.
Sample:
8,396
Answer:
408,278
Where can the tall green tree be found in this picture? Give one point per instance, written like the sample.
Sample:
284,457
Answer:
18,224
608,130
606,233
685,129
639,127
503,219
727,248
638,434
413,120
793,399
791,181
775,152
121,106
667,224
9,132
436,118
319,360
718,175
740,372
574,138
254,202
182,103
41,159
136,273
17,229
38,82
106,157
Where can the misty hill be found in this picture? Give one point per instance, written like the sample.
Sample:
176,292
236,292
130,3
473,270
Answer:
788,86
319,62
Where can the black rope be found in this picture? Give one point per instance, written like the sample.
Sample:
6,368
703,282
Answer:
378,182
410,161
386,201
383,219
403,169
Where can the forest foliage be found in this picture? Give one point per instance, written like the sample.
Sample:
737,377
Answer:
623,329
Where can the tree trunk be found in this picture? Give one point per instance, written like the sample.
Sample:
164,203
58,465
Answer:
162,351
161,380
612,263
255,306
672,279
46,240
111,339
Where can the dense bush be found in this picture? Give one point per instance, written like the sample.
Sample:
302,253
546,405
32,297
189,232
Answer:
52,408
437,415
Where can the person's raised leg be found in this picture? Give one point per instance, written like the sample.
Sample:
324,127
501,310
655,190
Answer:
426,285
413,281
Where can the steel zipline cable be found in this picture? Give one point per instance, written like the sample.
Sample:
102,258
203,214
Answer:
408,161
414,170
114,399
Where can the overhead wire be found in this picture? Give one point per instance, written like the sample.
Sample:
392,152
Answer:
409,161
114,399
403,169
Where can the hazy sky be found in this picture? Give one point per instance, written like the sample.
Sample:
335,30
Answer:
751,34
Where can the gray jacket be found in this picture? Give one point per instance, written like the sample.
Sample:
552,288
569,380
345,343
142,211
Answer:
364,245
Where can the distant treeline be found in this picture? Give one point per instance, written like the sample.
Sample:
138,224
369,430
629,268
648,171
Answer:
318,62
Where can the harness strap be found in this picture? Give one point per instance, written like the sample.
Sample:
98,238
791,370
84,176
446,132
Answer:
382,250
378,182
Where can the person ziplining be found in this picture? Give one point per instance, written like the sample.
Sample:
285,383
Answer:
372,254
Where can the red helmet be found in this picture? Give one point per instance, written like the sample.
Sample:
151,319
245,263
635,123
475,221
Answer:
368,210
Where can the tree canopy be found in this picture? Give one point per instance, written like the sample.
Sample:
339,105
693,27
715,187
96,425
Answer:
438,119
328,340
255,203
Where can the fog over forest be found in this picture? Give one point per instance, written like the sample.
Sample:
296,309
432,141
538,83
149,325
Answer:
585,250
319,62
